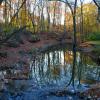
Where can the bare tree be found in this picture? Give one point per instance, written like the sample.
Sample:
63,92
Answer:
97,3
48,14
81,21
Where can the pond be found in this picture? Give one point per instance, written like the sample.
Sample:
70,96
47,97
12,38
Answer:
55,69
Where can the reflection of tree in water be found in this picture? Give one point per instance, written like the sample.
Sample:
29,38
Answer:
91,70
69,57
84,69
97,3
73,69
59,67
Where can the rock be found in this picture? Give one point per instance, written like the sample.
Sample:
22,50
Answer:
13,44
3,54
18,38
34,38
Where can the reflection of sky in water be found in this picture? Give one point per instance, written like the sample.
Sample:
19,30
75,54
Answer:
52,70
55,68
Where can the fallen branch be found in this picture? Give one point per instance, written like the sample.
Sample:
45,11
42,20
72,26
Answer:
13,33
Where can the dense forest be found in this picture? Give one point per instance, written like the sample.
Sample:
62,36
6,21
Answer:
49,49
50,16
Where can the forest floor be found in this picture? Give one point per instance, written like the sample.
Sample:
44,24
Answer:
14,56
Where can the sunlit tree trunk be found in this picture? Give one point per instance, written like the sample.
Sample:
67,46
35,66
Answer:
48,14
5,13
23,14
42,20
98,10
81,26
54,14
65,26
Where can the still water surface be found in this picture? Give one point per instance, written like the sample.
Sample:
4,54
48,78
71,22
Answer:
51,70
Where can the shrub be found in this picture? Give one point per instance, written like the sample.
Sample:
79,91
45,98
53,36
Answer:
35,38
33,50
94,36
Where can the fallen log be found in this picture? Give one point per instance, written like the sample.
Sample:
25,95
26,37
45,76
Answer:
12,34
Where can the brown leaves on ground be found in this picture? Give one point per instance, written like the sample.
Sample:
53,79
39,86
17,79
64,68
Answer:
93,93
13,55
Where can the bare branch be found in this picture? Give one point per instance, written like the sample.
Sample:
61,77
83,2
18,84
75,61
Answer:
17,11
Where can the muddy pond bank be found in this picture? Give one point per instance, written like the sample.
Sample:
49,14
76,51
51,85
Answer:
44,72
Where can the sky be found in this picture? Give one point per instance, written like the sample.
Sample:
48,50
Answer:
87,1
